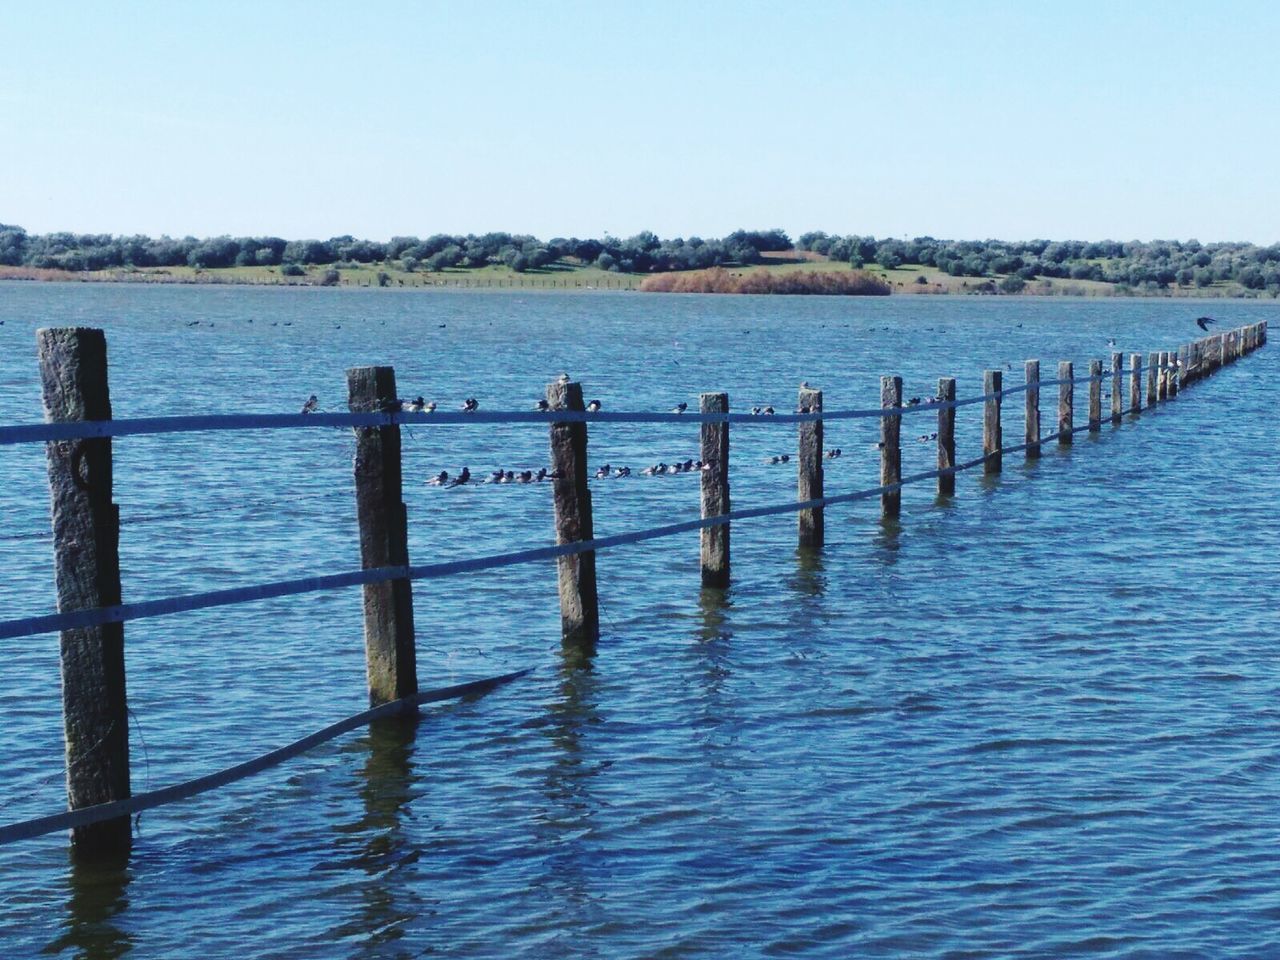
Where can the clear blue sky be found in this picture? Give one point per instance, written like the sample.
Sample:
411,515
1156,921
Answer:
1123,120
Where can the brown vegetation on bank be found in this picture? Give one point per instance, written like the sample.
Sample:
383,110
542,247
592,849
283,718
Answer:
719,280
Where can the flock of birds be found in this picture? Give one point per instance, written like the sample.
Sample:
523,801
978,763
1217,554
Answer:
608,471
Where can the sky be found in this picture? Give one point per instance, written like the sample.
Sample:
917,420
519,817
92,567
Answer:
1116,120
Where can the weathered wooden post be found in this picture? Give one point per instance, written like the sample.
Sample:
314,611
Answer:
946,436
389,651
1175,371
1066,401
992,441
715,491
1135,383
1117,390
809,469
1162,381
86,536
891,445
1153,373
579,605
1095,396
1033,409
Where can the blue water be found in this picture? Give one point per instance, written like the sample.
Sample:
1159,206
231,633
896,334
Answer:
1039,719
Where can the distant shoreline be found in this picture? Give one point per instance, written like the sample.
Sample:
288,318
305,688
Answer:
903,280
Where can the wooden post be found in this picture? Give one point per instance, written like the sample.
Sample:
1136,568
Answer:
1153,373
1176,368
1135,383
1162,381
1095,396
579,605
809,478
389,652
992,442
1117,390
1033,409
947,436
891,445
86,535
1066,401
715,491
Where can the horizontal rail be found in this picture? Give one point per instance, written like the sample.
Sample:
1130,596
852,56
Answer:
150,426
85,816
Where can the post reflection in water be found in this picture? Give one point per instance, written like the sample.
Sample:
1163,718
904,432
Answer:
97,900
376,843
568,817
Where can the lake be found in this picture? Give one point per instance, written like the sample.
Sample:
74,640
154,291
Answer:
1039,718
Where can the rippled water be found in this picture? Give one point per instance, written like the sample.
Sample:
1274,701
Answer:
1041,718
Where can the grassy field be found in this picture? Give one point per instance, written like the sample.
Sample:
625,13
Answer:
906,279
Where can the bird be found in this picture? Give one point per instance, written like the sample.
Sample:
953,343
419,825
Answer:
680,408
542,406
786,458
834,453
430,407
495,477
804,385
1111,342
440,479
913,402
563,378
602,472
774,459
416,405
463,477
470,405
526,476
1203,322
926,437
768,411
687,466
622,472
593,406
542,474
755,411
312,404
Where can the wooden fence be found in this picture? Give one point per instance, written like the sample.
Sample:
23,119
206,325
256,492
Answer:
85,521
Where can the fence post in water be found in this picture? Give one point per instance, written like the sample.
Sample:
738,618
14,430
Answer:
1175,371
1033,409
715,491
1162,381
947,436
1135,383
1095,396
1066,401
1153,374
809,479
1117,388
891,445
579,606
992,442
390,656
86,535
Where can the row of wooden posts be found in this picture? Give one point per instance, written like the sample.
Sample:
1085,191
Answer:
86,521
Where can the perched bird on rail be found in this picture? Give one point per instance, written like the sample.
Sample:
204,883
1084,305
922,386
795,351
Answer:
440,479
680,408
603,471
1203,322
430,407
767,411
622,472
542,406
463,477
593,406
416,405
470,405
755,411
833,453
312,404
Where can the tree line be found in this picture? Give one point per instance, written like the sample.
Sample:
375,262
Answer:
1151,264
643,253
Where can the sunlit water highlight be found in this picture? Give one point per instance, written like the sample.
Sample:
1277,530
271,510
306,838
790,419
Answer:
1038,719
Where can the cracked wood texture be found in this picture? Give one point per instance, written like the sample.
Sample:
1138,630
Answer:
579,605
1066,401
946,436
1095,396
891,446
1032,433
390,653
992,441
809,470
86,534
714,541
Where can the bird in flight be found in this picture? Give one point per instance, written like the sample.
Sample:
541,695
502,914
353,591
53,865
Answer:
1203,322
